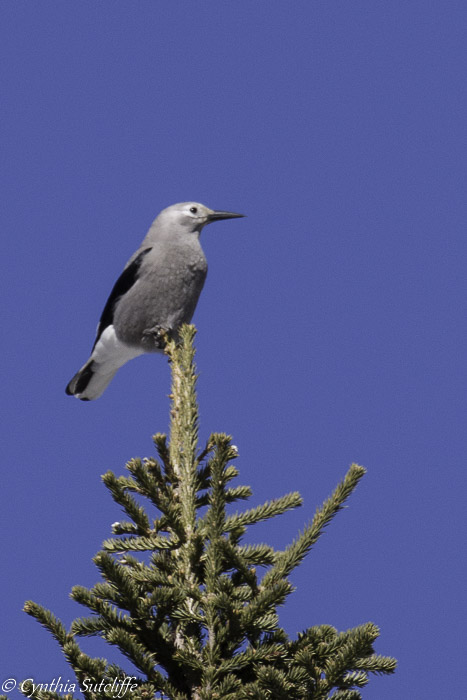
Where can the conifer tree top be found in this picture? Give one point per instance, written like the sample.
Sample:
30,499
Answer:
192,605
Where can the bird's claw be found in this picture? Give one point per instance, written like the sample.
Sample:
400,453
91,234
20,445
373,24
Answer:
157,335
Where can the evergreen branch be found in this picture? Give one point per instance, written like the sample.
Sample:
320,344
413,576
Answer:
349,646
168,523
291,557
110,615
127,483
227,689
133,564
147,474
347,695
156,471
238,493
47,620
135,652
139,544
266,653
185,419
166,596
128,503
187,658
218,466
203,476
275,681
376,664
258,554
251,691
188,612
137,571
201,500
27,688
243,593
300,681
317,637
163,561
232,559
84,666
355,678
89,626
265,603
123,527
160,441
77,659
230,472
152,578
268,510
221,444
204,453
106,591
120,576
151,482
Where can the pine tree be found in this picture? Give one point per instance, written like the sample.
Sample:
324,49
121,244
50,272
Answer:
181,596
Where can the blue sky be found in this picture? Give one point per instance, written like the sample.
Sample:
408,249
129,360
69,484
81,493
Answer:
332,326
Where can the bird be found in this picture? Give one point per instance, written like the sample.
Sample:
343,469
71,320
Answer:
156,293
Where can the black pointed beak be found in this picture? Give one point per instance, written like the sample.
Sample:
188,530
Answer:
219,215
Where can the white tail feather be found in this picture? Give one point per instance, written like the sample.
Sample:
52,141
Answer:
107,357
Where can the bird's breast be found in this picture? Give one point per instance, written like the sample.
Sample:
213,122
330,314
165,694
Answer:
165,294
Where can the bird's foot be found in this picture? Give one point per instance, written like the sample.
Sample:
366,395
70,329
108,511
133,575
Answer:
157,335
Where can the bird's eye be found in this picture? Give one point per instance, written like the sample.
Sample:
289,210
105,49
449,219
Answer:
193,210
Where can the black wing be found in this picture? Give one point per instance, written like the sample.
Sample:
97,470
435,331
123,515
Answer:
121,287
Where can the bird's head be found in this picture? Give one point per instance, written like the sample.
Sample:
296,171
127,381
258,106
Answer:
192,216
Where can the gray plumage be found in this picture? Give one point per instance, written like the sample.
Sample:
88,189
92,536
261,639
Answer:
157,292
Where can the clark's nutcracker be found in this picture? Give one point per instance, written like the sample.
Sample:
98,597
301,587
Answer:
157,291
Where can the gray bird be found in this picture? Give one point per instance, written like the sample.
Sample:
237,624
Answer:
157,292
